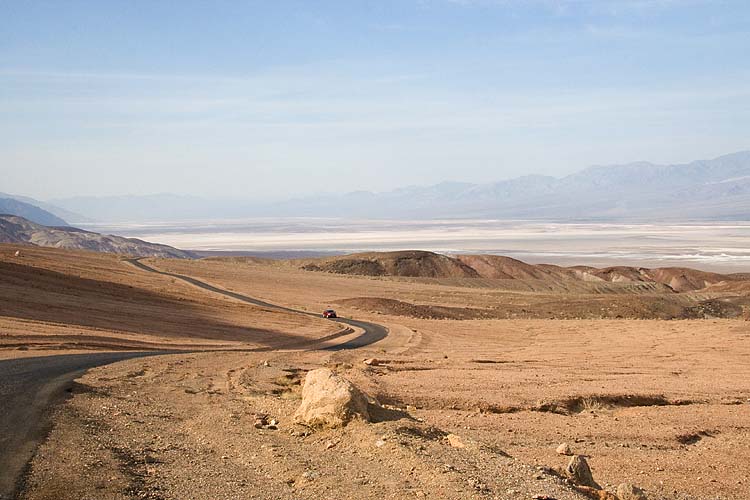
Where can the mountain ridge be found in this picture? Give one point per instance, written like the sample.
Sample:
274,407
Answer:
12,206
15,229
716,189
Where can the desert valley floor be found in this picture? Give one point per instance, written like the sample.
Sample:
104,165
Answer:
488,367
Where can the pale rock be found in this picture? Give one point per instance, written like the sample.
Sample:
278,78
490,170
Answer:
330,401
629,492
455,441
564,449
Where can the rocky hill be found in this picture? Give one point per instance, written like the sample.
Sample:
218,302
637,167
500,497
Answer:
431,265
15,229
411,263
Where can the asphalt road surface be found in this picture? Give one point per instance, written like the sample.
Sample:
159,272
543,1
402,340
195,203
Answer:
31,387
372,331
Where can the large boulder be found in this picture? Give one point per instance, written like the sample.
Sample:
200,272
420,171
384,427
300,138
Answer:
330,401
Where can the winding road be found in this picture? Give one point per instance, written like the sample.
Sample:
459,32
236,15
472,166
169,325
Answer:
372,331
31,387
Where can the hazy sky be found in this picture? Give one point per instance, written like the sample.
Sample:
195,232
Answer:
278,98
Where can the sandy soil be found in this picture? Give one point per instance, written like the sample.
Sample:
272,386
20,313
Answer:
661,404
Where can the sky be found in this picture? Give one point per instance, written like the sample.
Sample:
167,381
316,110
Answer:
274,99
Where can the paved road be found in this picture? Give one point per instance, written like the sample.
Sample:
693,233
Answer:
372,331
30,387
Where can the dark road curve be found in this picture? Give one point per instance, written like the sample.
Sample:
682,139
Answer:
372,331
31,387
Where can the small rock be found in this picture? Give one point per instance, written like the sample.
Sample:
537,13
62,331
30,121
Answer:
310,475
596,493
564,449
629,492
261,421
579,472
372,362
455,441
379,443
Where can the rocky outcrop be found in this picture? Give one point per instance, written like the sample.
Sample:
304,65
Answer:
579,472
330,401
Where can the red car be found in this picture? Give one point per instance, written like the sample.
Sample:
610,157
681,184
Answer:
329,313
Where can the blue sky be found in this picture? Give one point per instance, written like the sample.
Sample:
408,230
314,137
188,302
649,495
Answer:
274,99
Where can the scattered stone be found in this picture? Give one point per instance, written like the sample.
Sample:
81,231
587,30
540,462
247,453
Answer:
564,449
310,475
629,492
261,421
579,472
372,362
380,443
596,493
330,401
18,253
455,441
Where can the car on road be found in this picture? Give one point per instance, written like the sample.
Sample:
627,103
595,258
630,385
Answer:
329,313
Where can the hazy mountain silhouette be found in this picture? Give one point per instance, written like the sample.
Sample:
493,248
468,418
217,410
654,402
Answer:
33,213
717,189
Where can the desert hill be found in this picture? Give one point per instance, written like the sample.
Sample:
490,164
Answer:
14,229
422,264
410,263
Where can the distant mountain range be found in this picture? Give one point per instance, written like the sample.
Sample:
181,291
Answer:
33,213
43,213
14,229
717,189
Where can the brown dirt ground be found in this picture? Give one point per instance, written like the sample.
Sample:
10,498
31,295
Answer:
662,404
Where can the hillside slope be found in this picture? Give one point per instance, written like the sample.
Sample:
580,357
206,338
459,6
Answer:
31,212
14,229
